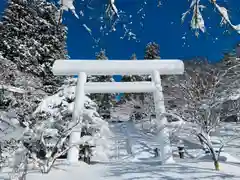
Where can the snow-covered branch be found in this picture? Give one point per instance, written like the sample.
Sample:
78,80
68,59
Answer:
197,22
225,17
68,5
12,89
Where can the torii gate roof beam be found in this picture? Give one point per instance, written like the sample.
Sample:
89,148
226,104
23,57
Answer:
114,67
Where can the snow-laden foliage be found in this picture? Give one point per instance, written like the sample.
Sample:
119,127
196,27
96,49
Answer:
46,139
54,114
104,101
14,96
201,96
107,15
31,37
199,93
197,22
30,41
152,52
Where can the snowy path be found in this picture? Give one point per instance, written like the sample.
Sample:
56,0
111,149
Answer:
140,166
126,133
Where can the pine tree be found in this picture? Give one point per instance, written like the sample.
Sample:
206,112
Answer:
136,98
30,41
101,55
152,51
132,78
104,101
31,37
133,57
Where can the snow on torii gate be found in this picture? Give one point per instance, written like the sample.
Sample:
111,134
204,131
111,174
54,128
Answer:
82,68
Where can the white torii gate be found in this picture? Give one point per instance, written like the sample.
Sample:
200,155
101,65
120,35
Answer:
82,68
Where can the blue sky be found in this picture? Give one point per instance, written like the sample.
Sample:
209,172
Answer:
161,24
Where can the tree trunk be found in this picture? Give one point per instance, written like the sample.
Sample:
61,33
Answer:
207,141
215,159
216,165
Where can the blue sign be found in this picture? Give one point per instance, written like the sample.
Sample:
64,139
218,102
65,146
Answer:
117,78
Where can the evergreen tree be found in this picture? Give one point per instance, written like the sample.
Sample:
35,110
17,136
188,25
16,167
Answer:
31,37
132,78
136,98
133,57
152,51
104,101
144,99
101,55
30,41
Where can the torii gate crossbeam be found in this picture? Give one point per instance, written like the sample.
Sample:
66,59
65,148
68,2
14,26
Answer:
155,68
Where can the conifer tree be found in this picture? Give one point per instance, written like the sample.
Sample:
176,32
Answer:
152,51
104,101
30,41
133,57
31,37
129,78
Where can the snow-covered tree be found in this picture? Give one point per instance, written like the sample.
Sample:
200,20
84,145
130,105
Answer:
142,100
193,90
229,81
198,97
47,138
104,101
31,37
131,78
152,51
30,41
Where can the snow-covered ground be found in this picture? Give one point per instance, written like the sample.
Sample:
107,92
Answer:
142,164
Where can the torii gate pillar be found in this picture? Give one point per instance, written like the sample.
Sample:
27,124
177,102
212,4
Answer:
77,116
113,67
163,135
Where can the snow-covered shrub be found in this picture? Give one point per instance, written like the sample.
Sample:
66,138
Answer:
11,132
54,114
